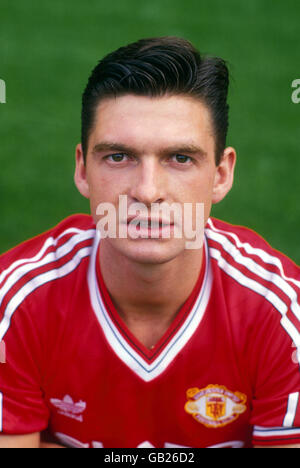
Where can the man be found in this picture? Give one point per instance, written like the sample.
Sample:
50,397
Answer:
139,340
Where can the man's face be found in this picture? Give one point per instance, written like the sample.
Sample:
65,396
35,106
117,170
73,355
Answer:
154,151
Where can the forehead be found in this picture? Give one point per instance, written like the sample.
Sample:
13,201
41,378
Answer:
159,121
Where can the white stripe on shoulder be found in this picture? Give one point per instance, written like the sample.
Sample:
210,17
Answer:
51,241
265,256
257,269
53,256
261,290
38,281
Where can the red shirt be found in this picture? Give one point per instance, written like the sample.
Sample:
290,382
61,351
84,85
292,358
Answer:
226,373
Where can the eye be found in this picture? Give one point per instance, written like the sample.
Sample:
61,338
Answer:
182,159
117,157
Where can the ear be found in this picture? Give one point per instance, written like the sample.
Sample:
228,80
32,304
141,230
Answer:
80,176
224,175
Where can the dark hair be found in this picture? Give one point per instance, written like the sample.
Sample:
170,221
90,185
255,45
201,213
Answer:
156,67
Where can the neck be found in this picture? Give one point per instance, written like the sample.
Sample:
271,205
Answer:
149,293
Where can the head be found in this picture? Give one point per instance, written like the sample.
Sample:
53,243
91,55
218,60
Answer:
154,125
166,66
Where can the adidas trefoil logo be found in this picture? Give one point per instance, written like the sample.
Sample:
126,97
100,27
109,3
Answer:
67,407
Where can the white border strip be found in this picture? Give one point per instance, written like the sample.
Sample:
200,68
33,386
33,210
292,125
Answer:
291,409
270,432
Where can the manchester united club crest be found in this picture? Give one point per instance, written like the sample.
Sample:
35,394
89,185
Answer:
215,406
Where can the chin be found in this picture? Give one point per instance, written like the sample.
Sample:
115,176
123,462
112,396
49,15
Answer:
149,251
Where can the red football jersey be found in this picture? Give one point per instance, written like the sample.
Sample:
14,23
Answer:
226,373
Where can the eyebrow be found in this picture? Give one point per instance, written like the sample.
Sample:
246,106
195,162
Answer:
176,149
110,146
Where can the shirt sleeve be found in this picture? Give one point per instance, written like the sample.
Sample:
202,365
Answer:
276,404
22,407
27,330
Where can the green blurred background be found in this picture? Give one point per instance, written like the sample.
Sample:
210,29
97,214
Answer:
47,50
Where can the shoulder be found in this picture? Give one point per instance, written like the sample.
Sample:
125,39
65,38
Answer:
255,275
57,240
240,246
31,270
260,289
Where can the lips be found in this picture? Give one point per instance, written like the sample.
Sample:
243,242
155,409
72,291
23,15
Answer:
149,222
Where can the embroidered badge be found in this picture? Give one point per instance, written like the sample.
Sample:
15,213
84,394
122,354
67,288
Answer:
215,406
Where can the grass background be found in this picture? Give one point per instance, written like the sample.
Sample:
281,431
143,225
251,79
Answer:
47,50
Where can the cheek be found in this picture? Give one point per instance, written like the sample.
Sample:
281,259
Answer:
101,186
203,192
202,188
103,190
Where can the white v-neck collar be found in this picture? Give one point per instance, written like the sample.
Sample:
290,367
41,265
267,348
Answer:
120,345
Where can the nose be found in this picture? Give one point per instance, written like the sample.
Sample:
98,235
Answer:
149,182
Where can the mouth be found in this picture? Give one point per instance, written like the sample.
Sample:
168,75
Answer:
150,228
149,223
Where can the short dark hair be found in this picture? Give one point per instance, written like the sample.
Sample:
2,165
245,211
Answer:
157,67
